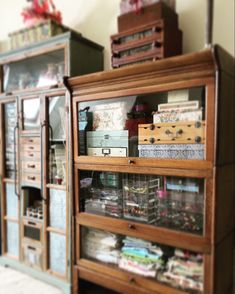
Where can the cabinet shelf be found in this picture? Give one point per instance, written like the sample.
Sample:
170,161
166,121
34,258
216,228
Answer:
56,187
146,231
128,282
116,162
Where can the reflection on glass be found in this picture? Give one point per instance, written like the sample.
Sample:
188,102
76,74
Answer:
12,232
10,118
172,202
11,201
57,253
31,114
175,267
162,125
43,70
57,148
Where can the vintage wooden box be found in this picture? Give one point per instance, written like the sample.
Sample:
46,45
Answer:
155,40
189,132
36,33
148,14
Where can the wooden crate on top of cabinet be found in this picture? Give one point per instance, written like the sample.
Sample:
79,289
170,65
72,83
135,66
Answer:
140,222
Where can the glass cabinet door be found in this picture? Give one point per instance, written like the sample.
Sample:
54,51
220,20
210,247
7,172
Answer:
167,125
57,140
171,266
11,221
31,114
164,201
57,222
10,138
38,71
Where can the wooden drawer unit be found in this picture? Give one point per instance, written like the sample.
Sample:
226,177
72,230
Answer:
151,41
32,231
31,178
31,166
30,140
32,255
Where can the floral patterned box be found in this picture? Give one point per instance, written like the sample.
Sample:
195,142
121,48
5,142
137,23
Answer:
172,151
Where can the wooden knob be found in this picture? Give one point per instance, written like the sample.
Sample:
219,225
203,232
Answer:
131,227
179,132
198,139
152,127
197,124
131,162
151,140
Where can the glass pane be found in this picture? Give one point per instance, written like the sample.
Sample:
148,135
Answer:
39,71
31,114
160,125
10,117
172,266
12,238
57,253
57,152
173,202
57,218
11,201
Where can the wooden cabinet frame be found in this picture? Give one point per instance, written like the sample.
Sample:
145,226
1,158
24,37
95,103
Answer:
213,70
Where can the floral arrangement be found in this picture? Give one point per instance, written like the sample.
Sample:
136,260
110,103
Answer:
40,10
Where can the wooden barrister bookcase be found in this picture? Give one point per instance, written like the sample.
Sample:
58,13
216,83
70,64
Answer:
171,201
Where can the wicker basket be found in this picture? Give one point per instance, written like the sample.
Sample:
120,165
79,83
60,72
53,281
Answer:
36,33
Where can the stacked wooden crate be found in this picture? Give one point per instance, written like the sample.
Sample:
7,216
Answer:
151,34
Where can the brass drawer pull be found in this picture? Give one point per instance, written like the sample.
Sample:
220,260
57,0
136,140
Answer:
31,178
31,165
32,224
131,227
31,154
31,147
132,281
131,162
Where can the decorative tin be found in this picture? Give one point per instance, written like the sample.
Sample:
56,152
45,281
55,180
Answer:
173,151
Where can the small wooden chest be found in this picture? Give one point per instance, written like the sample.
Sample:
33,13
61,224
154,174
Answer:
148,14
172,133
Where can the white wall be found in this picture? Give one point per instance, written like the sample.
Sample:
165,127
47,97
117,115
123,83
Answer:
97,20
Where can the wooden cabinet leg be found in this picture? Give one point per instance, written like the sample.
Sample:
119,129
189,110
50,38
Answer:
75,286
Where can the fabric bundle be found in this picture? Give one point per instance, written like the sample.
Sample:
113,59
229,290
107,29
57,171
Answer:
140,257
102,246
184,270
